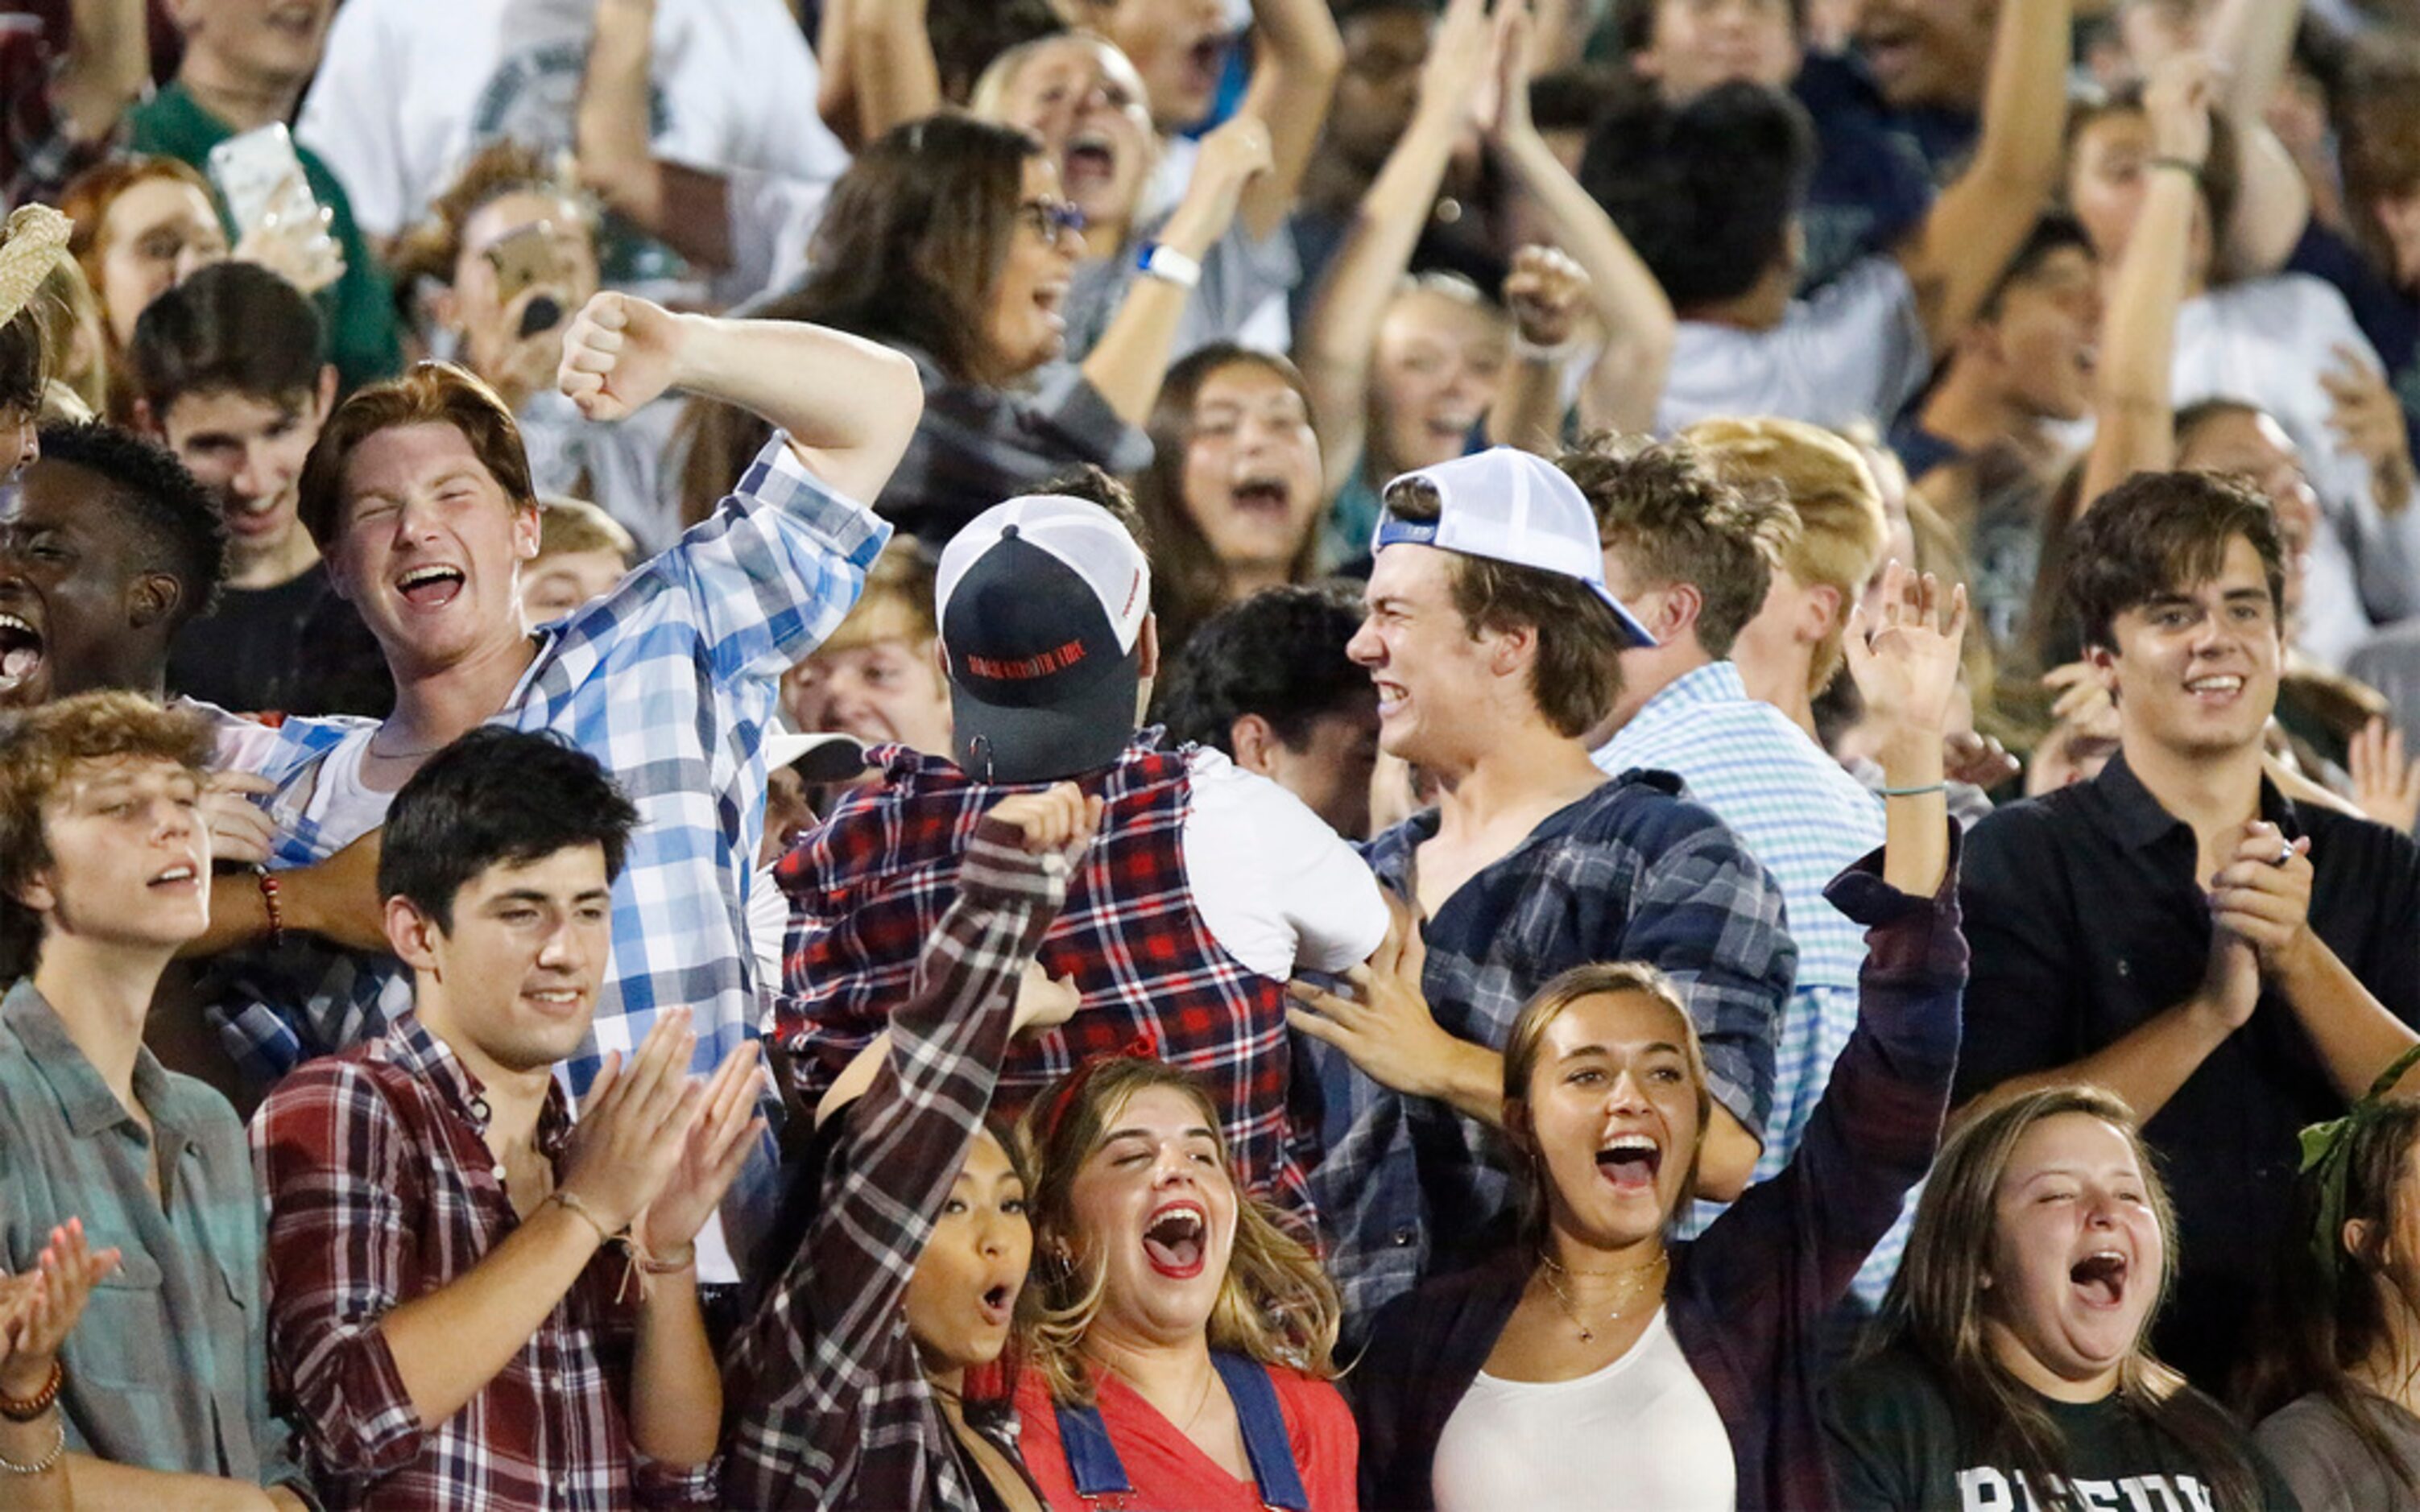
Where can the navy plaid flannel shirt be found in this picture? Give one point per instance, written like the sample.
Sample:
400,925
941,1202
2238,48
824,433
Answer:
1629,872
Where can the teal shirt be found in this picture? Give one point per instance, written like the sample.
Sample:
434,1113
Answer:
359,307
167,1370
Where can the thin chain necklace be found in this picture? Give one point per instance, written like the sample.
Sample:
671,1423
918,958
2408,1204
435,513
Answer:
1636,1282
399,755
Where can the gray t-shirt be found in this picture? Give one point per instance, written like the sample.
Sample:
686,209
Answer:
1855,349
2329,1466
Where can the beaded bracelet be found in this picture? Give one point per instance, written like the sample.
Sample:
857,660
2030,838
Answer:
269,904
50,1459
25,1410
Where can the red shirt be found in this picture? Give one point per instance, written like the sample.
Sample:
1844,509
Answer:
1169,1474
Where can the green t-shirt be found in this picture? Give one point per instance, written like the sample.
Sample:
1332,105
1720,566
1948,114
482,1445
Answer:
1897,1445
359,307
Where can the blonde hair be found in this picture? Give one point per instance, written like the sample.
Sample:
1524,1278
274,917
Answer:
1841,527
1526,1046
1276,1305
569,525
897,601
989,97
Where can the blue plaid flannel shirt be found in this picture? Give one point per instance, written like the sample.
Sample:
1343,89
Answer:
670,681
1629,872
1805,819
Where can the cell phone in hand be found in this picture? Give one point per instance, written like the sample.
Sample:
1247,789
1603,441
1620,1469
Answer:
259,173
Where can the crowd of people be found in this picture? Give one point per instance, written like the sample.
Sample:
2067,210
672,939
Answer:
1200,755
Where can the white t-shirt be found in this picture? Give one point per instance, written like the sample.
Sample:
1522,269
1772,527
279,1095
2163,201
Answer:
1275,884
1641,1432
1853,350
409,89
2266,342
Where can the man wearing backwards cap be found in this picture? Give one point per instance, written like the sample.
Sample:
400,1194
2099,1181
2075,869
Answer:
1493,640
1208,888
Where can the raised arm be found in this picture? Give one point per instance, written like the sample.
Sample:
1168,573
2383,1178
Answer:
1335,344
1632,311
848,406
688,207
1130,360
107,63
1958,251
1296,56
2137,429
2249,42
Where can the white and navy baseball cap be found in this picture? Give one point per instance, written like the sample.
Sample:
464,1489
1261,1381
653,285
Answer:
1515,506
1042,602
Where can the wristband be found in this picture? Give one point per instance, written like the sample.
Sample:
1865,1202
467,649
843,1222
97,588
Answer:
583,1212
51,1458
2184,165
1537,351
269,903
1914,793
658,1265
25,1409
1159,261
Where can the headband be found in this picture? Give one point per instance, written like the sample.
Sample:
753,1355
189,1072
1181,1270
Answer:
2327,1158
31,245
1062,1096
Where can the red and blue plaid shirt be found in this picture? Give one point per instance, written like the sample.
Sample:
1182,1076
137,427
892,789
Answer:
868,890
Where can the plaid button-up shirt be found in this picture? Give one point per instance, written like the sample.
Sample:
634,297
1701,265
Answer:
1805,819
669,681
1629,872
382,1190
828,1390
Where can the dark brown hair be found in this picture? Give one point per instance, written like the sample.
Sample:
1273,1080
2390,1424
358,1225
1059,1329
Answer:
1188,583
38,749
912,242
1575,675
1673,521
2159,531
432,393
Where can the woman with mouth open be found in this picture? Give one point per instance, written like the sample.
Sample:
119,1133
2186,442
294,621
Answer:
1181,1356
902,1247
2013,1359
1596,1362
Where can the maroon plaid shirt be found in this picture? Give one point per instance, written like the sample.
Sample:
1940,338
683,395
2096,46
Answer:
868,890
382,1189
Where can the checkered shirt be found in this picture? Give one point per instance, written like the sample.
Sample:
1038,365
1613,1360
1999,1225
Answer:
1805,819
1629,872
38,154
868,889
382,1190
670,681
828,1394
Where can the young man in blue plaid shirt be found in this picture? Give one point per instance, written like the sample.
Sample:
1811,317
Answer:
1493,641
418,494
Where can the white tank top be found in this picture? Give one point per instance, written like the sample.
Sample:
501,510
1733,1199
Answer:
1641,1434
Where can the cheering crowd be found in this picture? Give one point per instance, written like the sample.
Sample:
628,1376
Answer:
1210,754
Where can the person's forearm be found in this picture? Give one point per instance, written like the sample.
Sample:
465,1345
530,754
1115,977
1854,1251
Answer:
100,1483
2250,42
1297,56
2145,1068
108,62
238,915
849,406
27,1444
1334,347
1915,824
1130,360
2136,430
1637,319
1528,408
836,71
675,1388
449,1344
615,155
2022,144
1727,1158
2352,1031
895,77
1469,1079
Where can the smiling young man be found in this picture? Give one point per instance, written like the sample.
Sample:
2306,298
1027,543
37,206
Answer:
229,374
2234,964
104,872
1494,643
419,494
443,1308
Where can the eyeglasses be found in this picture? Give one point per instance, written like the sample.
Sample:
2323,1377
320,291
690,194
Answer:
1054,221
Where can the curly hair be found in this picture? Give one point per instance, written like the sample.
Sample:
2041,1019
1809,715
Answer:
177,526
1671,520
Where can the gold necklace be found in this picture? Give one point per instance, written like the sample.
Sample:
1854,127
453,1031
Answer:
1637,1281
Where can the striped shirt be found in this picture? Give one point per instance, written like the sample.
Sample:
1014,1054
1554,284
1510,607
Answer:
1805,819
828,1392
